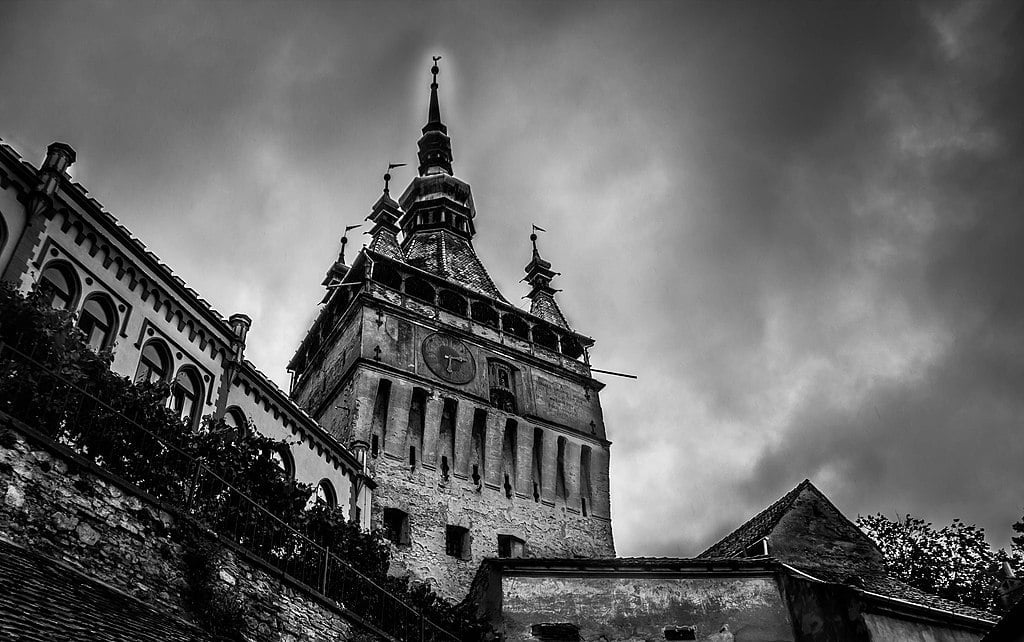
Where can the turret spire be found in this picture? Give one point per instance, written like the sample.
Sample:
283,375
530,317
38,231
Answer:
435,147
542,295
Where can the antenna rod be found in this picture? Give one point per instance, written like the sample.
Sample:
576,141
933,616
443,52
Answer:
617,374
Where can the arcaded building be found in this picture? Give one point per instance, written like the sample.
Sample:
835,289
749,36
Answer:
479,421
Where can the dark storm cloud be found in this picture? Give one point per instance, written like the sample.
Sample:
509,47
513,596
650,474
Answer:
796,222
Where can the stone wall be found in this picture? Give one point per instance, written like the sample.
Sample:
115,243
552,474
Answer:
632,608
64,508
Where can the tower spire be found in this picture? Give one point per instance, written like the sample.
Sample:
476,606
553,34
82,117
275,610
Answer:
435,147
542,295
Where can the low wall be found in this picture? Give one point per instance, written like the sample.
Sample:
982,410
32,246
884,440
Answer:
64,507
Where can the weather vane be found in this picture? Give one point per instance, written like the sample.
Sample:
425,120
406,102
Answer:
344,240
387,174
533,235
434,70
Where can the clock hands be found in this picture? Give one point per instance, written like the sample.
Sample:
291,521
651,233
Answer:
449,358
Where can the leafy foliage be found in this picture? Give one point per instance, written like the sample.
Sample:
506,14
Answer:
229,481
954,562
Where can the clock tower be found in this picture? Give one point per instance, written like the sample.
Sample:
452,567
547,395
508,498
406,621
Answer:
479,421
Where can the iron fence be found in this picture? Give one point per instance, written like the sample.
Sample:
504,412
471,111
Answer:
69,409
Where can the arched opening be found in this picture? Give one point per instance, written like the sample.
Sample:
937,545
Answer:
545,338
154,363
60,283
387,276
324,494
514,324
417,288
572,348
235,419
452,302
186,396
283,458
503,385
98,322
482,312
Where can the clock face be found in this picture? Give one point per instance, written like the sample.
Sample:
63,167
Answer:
449,358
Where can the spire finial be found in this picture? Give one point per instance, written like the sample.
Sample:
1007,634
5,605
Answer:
533,239
344,242
387,175
435,108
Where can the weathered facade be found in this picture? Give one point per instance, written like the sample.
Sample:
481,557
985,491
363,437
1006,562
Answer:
54,235
799,570
479,421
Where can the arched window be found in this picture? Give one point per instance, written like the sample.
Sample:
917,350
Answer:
514,324
325,495
545,338
503,385
59,282
482,312
387,276
187,396
98,321
417,288
283,459
448,300
572,348
154,363
235,419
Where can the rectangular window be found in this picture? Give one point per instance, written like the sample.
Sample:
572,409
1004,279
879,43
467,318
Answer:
396,526
511,546
456,541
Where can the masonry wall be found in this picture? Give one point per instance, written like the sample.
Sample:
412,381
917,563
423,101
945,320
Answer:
642,608
66,511
888,629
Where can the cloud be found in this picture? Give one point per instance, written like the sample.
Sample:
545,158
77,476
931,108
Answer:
797,223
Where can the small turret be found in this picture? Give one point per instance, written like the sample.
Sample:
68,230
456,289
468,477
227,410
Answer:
385,216
542,296
59,157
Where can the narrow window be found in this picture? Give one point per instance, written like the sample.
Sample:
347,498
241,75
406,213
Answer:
417,415
511,546
508,455
586,492
60,284
535,466
186,396
154,363
560,488
479,441
446,435
396,526
96,321
503,387
456,541
374,446
379,425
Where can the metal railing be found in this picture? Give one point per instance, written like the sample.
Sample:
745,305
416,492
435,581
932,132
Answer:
69,409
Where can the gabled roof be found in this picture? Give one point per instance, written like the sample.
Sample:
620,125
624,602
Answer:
757,527
452,258
49,600
828,547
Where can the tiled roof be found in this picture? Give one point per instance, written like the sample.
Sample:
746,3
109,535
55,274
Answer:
386,244
450,257
545,307
47,600
755,528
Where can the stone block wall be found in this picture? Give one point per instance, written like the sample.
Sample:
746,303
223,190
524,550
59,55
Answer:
61,507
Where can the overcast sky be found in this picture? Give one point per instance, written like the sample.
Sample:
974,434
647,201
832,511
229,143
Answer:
798,224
